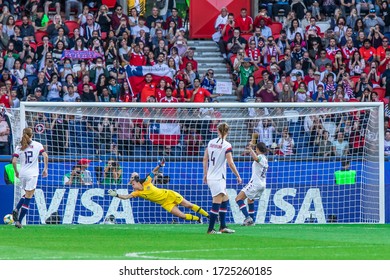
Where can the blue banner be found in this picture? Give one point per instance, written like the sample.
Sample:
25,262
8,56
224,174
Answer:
306,192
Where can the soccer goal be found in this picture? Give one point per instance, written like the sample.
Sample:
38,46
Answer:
326,162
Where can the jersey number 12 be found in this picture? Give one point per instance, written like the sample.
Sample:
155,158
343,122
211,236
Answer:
28,155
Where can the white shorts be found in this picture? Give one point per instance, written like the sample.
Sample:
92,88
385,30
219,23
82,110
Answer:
217,187
252,191
28,183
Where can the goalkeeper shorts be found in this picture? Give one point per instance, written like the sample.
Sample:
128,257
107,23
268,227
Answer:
172,200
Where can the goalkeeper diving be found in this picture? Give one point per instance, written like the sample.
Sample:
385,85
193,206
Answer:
168,199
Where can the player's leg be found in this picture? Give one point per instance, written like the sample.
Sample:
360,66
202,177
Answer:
251,207
188,217
241,204
222,215
30,184
194,207
214,212
15,212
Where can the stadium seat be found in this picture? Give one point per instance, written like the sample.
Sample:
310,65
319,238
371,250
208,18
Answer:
72,25
355,79
258,74
276,27
381,92
33,46
18,22
39,35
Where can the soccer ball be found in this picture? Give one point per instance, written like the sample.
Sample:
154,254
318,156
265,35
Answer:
8,219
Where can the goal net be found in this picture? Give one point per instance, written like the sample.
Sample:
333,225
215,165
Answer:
325,160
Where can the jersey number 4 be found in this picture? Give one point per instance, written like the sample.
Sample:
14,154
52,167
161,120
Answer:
28,157
212,158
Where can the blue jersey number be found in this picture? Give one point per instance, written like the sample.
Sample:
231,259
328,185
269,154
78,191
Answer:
28,155
212,158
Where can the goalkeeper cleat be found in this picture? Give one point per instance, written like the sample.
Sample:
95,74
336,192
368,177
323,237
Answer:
15,215
248,222
213,231
226,230
18,224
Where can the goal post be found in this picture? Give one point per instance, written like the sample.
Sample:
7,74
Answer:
312,178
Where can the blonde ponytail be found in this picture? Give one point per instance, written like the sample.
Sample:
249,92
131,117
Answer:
223,129
26,138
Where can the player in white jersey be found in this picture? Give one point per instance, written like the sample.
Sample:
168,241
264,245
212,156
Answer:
256,186
28,153
218,152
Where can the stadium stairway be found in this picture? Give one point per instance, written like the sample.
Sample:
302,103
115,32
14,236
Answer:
208,56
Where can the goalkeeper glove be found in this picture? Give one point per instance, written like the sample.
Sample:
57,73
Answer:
161,162
112,193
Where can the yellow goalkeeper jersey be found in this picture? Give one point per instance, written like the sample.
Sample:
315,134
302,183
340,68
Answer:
151,192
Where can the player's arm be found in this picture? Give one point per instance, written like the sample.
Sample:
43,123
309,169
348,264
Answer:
161,163
45,164
113,193
14,164
205,165
253,154
233,167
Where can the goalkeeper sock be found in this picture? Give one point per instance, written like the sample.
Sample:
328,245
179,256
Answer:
20,203
199,210
251,207
190,217
242,206
222,213
213,215
25,207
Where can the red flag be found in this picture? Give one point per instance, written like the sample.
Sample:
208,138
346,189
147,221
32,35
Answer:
167,134
136,74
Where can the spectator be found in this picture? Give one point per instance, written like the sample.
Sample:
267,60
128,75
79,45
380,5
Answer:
112,173
200,94
71,95
136,30
151,20
178,20
54,88
286,144
387,143
320,95
371,19
193,142
267,93
74,177
53,29
244,22
208,81
87,29
182,93
85,173
324,145
340,146
59,135
88,94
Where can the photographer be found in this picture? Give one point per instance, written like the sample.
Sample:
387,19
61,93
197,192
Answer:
236,43
74,177
112,173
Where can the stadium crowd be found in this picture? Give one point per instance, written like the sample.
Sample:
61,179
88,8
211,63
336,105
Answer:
78,52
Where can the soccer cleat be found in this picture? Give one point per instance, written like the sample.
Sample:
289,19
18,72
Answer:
227,230
18,224
200,221
213,231
248,222
15,215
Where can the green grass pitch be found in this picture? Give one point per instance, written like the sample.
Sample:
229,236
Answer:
190,242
